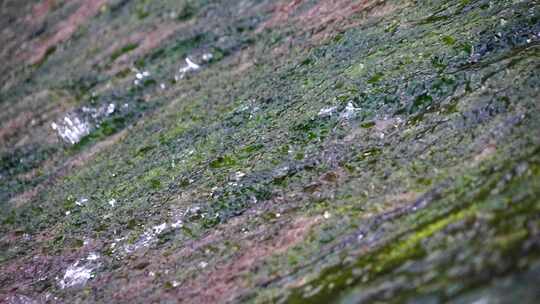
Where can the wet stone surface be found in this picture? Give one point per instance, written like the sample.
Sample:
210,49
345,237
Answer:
269,151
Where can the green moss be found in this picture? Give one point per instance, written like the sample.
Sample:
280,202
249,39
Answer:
105,129
420,102
183,47
187,12
449,40
142,151
224,161
155,184
411,248
392,27
512,239
123,50
375,78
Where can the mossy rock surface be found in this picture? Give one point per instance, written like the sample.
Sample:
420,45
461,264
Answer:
269,151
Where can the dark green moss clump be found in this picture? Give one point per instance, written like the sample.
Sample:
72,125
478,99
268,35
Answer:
123,50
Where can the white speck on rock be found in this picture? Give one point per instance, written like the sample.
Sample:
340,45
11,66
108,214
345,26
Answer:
140,76
207,57
203,264
483,300
92,256
79,123
190,66
238,175
76,275
112,203
71,129
325,112
159,228
110,108
349,112
327,215
146,239
82,201
177,224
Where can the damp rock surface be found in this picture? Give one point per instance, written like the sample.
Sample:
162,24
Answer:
265,151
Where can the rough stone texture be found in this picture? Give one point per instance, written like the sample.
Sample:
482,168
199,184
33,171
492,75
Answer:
270,151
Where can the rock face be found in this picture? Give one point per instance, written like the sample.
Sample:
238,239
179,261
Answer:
269,151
